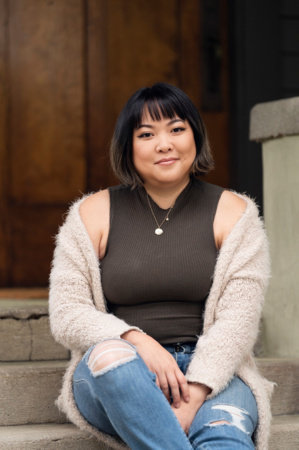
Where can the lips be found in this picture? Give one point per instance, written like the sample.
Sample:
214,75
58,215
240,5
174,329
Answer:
166,161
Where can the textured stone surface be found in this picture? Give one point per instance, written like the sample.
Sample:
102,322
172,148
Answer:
25,333
284,372
15,338
23,309
284,436
274,119
281,213
51,437
43,345
284,433
28,391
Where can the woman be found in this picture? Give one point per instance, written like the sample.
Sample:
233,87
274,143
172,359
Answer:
162,333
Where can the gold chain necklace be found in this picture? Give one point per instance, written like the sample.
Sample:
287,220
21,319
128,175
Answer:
158,230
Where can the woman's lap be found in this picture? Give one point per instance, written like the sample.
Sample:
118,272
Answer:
234,407
233,411
235,404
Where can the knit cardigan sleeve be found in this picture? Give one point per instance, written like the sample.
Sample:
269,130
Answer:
78,317
234,305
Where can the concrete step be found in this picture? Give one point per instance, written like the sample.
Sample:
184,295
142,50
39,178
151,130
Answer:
28,391
52,437
285,372
284,436
25,333
285,433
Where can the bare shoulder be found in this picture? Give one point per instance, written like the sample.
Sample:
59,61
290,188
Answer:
94,212
230,209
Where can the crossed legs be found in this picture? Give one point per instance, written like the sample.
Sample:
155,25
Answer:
116,393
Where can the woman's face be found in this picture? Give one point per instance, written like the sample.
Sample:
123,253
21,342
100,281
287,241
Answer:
163,151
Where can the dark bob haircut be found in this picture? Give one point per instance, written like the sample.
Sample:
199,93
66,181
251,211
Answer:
162,100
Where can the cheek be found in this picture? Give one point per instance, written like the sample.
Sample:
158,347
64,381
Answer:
137,155
135,152
140,153
191,152
140,159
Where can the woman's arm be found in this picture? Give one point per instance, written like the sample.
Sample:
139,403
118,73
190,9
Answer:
237,297
74,282
95,214
230,209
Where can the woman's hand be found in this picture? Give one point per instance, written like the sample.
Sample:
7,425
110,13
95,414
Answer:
170,378
187,411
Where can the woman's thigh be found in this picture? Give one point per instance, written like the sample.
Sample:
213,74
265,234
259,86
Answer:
121,397
229,418
83,390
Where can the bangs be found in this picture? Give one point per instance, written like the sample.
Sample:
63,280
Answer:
158,109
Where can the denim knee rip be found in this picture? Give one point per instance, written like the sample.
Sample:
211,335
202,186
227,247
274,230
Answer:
237,416
110,354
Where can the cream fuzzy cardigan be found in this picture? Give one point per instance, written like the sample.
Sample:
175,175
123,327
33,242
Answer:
79,319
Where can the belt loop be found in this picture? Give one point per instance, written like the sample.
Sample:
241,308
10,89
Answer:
179,348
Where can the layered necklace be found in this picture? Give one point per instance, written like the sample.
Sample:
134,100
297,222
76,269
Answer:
159,230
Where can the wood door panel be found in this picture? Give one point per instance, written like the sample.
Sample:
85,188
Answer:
190,49
143,50
4,220
46,126
99,127
33,231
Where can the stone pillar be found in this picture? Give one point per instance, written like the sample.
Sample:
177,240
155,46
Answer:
276,125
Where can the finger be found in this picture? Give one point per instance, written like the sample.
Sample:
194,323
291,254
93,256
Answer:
175,390
184,386
157,382
164,386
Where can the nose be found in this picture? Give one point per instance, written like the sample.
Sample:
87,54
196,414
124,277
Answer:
164,145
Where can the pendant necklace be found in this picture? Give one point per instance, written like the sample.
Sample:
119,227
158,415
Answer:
158,230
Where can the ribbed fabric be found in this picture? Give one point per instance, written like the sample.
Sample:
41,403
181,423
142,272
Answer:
160,283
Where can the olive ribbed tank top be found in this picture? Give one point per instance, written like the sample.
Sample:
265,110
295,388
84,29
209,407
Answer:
160,283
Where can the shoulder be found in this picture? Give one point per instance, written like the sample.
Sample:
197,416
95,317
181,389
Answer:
94,212
93,204
229,210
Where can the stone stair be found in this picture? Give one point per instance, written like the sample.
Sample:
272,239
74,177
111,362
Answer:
31,369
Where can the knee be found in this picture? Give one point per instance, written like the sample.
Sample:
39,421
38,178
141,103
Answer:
237,417
109,354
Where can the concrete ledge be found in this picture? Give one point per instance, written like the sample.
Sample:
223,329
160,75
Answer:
23,309
284,372
274,119
52,437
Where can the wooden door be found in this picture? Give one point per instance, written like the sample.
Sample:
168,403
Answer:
66,69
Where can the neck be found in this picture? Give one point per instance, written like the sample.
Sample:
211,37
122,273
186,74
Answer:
165,196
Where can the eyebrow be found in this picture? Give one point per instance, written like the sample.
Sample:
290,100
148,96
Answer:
151,126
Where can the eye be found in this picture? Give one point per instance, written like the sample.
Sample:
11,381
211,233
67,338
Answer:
145,135
177,130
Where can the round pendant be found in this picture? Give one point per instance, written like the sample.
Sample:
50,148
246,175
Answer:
158,231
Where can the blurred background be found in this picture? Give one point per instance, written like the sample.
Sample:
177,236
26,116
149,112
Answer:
68,66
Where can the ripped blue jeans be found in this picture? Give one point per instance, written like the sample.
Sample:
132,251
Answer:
116,393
